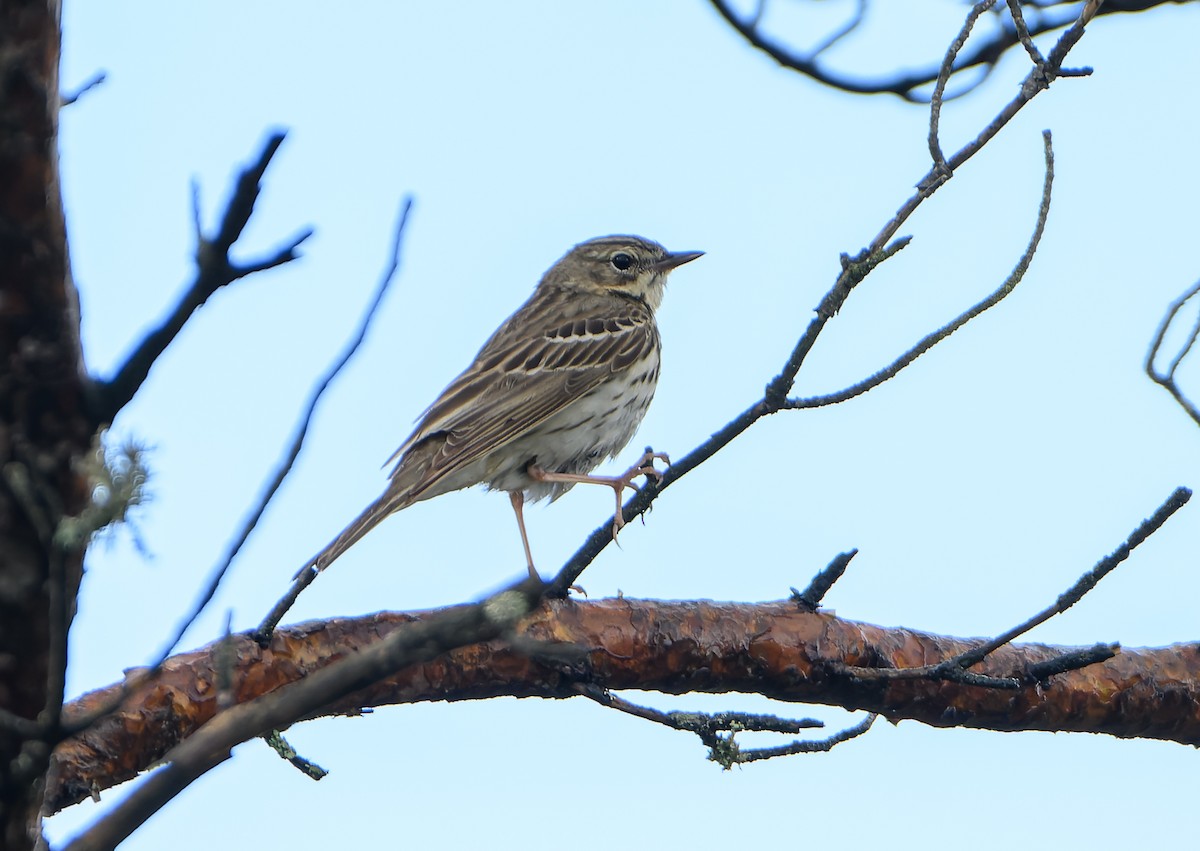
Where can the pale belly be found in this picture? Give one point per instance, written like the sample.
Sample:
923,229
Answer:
576,440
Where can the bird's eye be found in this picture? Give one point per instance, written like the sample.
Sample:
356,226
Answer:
622,261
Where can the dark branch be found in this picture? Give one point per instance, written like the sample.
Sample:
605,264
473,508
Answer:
810,598
281,746
777,650
214,270
955,668
854,270
981,59
932,339
943,77
709,727
305,578
732,754
1167,379
92,82
281,472
208,747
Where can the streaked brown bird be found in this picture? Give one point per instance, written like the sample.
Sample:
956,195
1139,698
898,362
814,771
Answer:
559,388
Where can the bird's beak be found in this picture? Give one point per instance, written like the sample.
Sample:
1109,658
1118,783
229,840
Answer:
676,258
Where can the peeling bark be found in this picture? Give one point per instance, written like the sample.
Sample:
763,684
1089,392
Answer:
773,649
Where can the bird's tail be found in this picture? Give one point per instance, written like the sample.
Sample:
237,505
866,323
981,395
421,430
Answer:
389,503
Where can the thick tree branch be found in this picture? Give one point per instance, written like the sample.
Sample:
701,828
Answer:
265,683
282,469
214,269
774,649
348,671
956,668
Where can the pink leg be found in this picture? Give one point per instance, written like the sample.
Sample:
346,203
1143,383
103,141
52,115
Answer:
644,467
517,498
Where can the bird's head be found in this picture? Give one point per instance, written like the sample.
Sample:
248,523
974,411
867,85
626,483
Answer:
628,265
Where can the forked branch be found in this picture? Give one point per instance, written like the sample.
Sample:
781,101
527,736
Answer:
1166,377
214,269
854,270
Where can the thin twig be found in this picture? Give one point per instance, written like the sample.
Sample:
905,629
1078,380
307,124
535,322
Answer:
262,633
1167,379
208,747
737,755
281,746
281,472
1035,55
943,77
389,273
214,270
904,84
810,598
932,339
851,24
92,82
951,668
1184,349
853,270
700,723
709,727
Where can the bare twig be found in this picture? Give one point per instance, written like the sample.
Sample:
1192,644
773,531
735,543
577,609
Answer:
810,598
281,746
214,270
701,723
955,667
854,269
943,77
262,633
1035,55
775,649
281,472
304,579
932,339
709,727
92,82
729,753
211,745
909,85
1167,379
851,24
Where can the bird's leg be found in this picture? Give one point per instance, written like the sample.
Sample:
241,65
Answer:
644,467
517,498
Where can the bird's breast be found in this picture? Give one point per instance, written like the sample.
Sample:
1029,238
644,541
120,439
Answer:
586,433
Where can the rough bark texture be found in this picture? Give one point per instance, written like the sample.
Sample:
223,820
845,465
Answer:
43,429
769,648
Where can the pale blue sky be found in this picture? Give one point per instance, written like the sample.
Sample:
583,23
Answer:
978,485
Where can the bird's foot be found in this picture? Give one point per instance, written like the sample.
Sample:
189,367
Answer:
644,467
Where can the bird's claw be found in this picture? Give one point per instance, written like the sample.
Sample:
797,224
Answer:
644,467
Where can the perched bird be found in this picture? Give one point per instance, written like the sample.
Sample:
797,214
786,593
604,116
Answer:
560,387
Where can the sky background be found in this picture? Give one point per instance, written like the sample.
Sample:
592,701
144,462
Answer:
977,485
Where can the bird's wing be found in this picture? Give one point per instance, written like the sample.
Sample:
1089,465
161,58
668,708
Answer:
543,359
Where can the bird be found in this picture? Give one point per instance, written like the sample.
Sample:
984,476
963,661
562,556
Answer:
560,387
